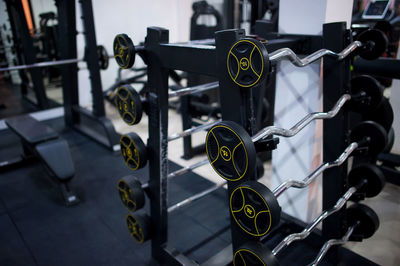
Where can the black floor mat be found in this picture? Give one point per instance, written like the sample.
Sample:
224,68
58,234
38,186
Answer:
37,229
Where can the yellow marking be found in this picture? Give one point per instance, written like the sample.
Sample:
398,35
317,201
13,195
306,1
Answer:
243,200
249,211
244,262
270,220
129,153
131,225
237,222
131,115
262,64
211,132
225,153
246,250
247,160
251,65
244,63
237,61
212,163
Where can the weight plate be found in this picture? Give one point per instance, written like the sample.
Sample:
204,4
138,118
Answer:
129,104
370,172
139,227
247,62
124,51
131,193
373,93
260,168
382,115
373,132
390,143
103,57
133,151
254,208
253,253
376,42
231,151
366,217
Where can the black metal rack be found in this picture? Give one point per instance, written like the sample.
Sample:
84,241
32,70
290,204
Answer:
162,56
87,122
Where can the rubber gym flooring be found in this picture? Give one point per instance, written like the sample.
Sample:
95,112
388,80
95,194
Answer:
37,229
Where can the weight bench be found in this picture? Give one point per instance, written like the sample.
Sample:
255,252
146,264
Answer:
42,142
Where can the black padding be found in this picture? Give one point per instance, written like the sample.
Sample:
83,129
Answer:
31,130
57,157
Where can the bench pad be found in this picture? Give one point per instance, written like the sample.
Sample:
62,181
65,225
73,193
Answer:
31,130
57,156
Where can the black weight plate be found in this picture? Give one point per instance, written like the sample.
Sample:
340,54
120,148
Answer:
139,227
375,133
366,217
373,93
390,143
248,62
383,115
376,42
131,193
103,57
253,253
254,208
370,172
231,151
260,168
124,51
133,151
129,104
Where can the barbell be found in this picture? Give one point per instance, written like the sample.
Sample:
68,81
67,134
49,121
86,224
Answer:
248,61
101,52
131,106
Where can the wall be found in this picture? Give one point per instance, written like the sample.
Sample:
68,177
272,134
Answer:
121,16
132,18
298,94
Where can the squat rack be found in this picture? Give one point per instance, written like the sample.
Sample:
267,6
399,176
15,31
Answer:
75,116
